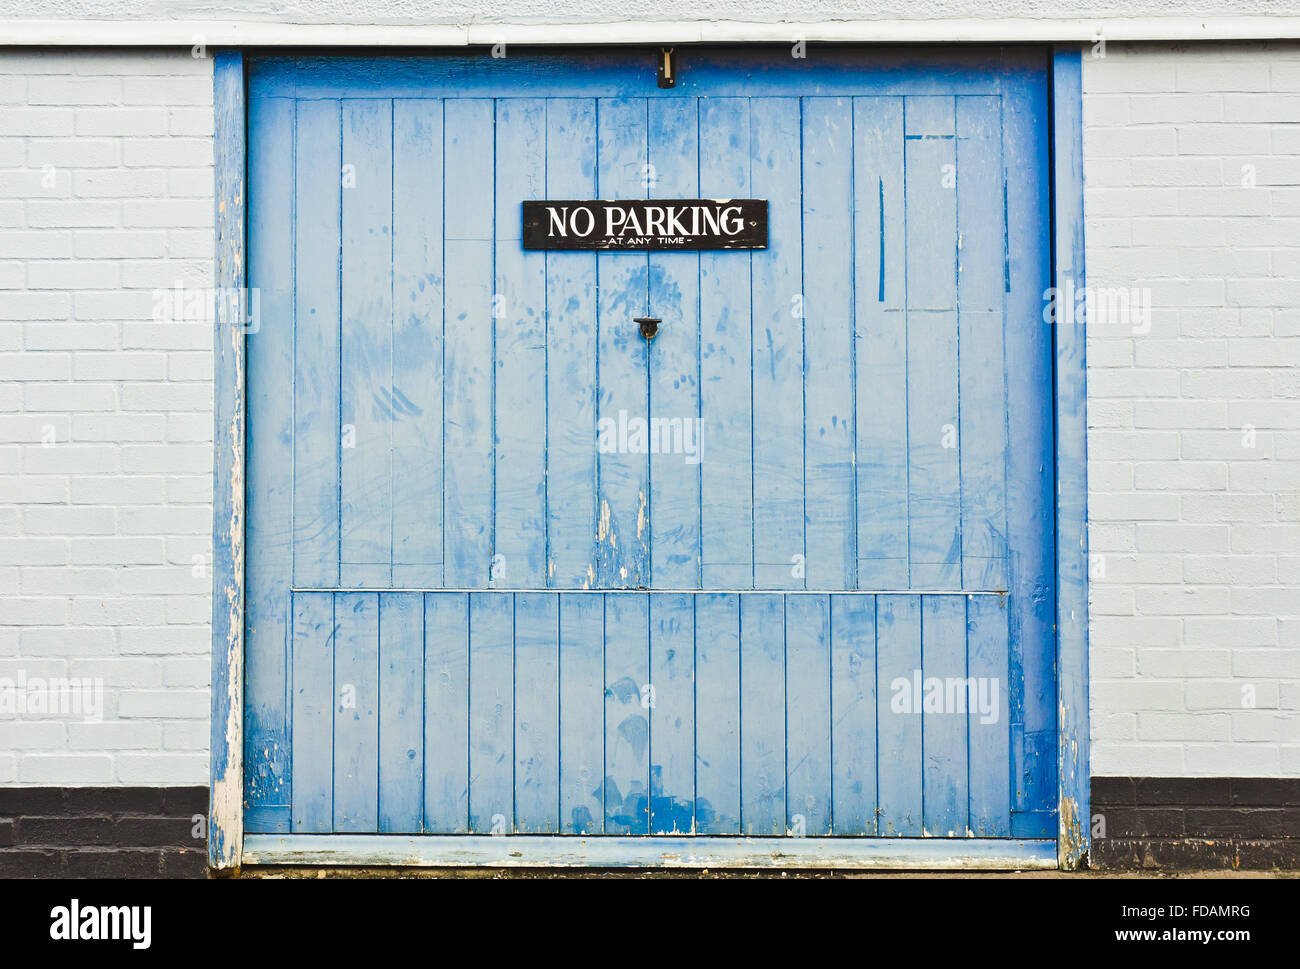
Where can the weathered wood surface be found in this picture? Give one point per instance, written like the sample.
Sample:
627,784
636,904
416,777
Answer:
452,505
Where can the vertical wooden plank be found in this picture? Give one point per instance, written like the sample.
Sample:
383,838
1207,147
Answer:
778,312
571,359
762,715
829,391
988,725
537,713
416,394
898,715
519,336
880,320
980,297
623,466
945,698
356,712
401,712
627,720
365,469
467,366
226,803
726,361
316,430
491,713
313,713
672,714
853,708
270,452
676,444
446,713
934,505
1073,770
582,691
1030,471
717,714
808,714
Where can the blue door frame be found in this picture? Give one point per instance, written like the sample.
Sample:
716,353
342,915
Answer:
227,847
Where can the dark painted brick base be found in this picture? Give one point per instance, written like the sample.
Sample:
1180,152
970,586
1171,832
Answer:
1195,822
1149,823
102,832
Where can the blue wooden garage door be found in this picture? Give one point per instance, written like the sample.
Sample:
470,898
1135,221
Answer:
784,569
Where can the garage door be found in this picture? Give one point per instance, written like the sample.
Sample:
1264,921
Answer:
776,563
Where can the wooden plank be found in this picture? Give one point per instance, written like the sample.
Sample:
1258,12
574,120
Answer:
416,394
1073,770
446,712
898,719
627,715
808,714
988,724
776,287
366,362
519,338
571,359
674,358
313,712
491,713
356,712
316,431
853,708
880,323
537,713
467,373
726,360
981,255
1030,471
717,714
623,469
898,854
401,712
582,691
672,714
945,698
934,505
829,391
269,529
762,715
226,763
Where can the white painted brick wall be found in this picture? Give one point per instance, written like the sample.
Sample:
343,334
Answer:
105,197
1198,533
1200,536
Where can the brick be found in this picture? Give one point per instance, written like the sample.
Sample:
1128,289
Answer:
119,122
40,122
114,863
31,863
62,832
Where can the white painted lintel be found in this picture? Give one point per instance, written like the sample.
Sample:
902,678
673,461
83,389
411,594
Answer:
251,34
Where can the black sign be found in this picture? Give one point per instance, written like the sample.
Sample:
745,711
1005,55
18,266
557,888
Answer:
685,224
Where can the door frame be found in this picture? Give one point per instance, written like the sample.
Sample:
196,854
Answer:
226,842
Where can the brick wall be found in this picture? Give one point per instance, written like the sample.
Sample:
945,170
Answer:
126,832
1192,159
105,411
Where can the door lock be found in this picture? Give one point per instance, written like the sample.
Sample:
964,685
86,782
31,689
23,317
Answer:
649,326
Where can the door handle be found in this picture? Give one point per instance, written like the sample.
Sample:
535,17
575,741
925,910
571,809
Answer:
648,325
